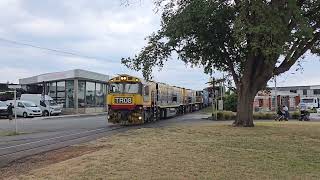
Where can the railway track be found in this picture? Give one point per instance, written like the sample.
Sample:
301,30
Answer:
15,152
33,146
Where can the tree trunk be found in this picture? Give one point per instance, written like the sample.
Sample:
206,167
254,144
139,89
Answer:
258,71
246,96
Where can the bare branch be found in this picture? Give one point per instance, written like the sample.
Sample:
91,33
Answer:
292,58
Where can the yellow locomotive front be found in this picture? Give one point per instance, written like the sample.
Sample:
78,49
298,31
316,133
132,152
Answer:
125,100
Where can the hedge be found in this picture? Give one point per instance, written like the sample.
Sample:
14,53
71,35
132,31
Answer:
229,115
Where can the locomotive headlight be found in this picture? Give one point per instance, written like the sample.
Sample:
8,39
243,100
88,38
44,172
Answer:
140,117
137,80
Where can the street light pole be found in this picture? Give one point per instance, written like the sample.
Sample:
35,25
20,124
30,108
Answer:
15,87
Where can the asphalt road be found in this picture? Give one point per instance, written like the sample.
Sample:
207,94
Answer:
32,125
50,134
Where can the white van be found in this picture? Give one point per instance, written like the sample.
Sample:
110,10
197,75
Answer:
26,108
47,104
310,103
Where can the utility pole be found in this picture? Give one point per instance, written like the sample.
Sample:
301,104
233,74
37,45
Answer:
213,96
222,92
15,110
275,94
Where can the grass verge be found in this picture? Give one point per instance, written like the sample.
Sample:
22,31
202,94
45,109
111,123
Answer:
9,133
271,150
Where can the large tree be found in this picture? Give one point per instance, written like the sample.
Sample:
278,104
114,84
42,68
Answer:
252,40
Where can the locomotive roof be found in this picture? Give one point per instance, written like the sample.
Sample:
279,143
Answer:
142,80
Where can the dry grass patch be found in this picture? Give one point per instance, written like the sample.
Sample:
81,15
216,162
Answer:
25,165
271,150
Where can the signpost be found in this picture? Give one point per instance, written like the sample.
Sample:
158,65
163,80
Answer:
216,103
15,87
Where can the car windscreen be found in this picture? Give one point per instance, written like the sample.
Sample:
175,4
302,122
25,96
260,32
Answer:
2,104
307,100
29,104
51,103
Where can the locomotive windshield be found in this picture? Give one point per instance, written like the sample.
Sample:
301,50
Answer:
125,88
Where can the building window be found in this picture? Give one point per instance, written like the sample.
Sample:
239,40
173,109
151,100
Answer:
260,102
100,94
305,92
316,91
293,91
70,94
53,90
90,94
47,88
61,93
81,94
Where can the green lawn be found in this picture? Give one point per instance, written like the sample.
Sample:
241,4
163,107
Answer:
8,133
207,150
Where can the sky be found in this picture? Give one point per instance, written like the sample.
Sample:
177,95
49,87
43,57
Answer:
106,30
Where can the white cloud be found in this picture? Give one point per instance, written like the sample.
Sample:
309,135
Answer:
13,74
42,27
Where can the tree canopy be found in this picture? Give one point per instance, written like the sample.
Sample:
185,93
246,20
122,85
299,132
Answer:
252,40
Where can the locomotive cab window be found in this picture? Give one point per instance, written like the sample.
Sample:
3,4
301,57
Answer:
125,88
115,88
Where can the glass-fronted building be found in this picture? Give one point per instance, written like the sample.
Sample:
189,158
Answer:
78,91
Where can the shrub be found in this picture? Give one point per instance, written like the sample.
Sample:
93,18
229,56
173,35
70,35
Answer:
220,115
262,115
230,102
295,115
226,115
229,115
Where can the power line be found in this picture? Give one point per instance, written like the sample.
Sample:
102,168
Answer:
53,50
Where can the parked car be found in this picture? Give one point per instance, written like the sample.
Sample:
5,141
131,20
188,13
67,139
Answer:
26,108
3,109
46,103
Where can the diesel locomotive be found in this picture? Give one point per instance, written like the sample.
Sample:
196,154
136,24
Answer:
132,100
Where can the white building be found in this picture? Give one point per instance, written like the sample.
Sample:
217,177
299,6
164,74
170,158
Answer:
79,91
302,91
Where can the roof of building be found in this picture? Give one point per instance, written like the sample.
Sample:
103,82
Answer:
288,88
71,74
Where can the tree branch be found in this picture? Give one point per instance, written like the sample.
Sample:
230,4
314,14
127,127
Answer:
292,58
233,72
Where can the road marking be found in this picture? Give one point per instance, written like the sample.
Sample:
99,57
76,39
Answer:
49,139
